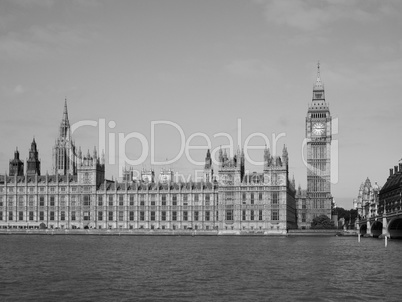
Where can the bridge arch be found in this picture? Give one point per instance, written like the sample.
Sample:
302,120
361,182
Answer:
395,228
363,229
376,228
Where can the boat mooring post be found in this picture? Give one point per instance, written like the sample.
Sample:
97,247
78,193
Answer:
386,240
358,237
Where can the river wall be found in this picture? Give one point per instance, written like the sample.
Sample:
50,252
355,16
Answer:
117,232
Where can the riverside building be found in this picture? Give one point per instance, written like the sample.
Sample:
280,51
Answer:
77,194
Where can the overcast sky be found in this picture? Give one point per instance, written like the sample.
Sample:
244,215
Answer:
203,65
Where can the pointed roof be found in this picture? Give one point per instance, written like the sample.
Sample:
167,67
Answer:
318,86
65,124
65,111
33,145
16,159
16,154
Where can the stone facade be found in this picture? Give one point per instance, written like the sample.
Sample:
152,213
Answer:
259,201
77,195
390,195
367,200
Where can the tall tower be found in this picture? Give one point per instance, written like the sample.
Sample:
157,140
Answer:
33,162
16,167
64,156
318,134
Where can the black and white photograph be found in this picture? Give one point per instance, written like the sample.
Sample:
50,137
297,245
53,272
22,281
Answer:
200,150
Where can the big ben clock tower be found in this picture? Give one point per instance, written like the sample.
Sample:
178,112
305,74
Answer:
318,135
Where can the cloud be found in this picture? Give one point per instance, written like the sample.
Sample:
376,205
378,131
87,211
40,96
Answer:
249,68
43,41
283,121
32,3
309,15
19,89
297,14
89,3
7,91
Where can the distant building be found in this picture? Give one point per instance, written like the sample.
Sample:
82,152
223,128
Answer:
367,200
390,195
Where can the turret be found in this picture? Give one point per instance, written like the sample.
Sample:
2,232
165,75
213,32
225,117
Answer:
103,157
267,157
208,171
90,171
33,162
148,176
208,160
95,154
225,158
220,158
285,156
16,167
242,168
79,156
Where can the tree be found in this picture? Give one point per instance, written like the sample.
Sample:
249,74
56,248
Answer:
322,222
353,215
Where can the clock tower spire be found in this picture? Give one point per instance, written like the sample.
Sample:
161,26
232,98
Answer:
318,136
318,89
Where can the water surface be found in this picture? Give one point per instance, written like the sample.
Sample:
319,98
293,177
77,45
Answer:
165,268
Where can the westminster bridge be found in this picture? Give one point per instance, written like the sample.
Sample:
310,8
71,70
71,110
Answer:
383,225
387,220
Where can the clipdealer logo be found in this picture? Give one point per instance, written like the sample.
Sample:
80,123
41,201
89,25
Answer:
116,143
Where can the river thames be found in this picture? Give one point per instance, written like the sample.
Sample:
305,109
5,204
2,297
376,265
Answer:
166,268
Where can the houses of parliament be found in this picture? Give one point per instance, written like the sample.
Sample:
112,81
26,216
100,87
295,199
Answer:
77,195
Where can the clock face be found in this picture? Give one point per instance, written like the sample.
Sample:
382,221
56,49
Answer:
318,128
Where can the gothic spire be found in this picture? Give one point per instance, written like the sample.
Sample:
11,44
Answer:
208,160
65,112
318,84
16,154
65,124
285,155
318,89
33,145
103,157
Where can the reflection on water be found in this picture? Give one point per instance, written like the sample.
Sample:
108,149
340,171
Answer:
82,268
